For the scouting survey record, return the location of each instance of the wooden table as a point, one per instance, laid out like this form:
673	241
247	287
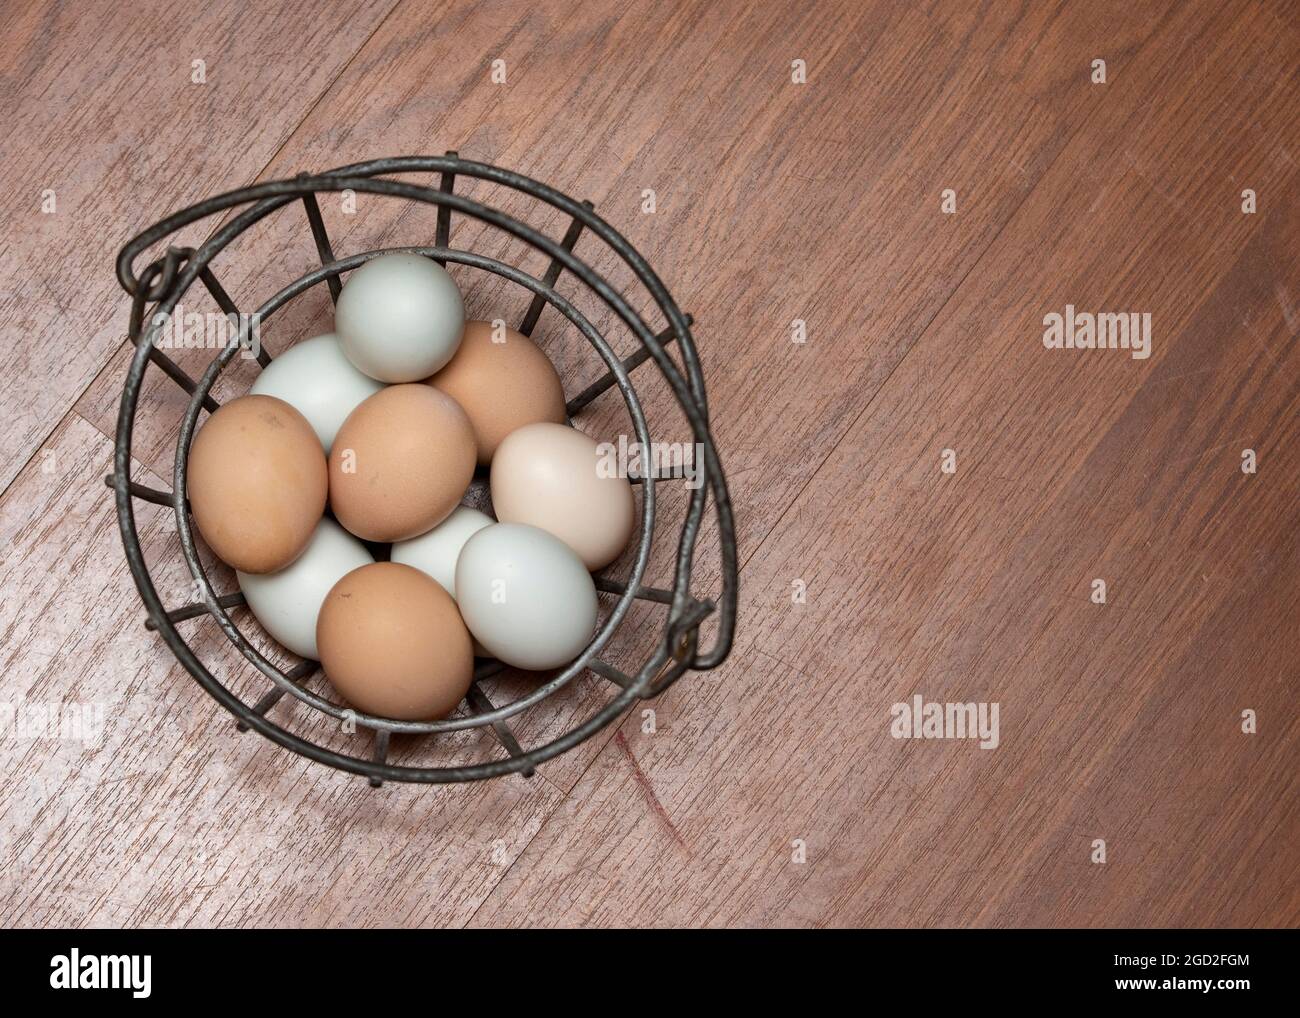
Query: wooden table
943	489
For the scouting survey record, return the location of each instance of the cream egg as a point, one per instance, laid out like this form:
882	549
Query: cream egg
317	380
525	596
399	317
288	602
554	477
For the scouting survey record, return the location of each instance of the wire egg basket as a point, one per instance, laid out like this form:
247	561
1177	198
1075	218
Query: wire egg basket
158	288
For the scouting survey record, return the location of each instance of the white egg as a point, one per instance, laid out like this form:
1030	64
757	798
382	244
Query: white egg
288	602
317	380
436	552
525	595
399	317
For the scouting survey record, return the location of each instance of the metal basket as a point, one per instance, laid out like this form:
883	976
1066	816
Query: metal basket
165	281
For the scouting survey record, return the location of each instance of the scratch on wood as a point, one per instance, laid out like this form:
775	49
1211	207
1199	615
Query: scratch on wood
1284	302
644	783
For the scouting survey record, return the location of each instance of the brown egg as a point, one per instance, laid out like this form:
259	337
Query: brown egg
556	478
501	385
400	463
257	483
393	644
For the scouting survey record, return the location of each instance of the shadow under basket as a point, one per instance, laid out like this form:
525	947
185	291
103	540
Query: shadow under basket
159	287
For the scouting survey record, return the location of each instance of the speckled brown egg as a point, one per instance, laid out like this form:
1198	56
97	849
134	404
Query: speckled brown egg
400	463
392	642
257	483
503	381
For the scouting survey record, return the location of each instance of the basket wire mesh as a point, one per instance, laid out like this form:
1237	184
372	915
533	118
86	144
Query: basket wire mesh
164	281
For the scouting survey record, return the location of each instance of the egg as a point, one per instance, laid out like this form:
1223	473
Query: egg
257	482
436	552
317	380
503	381
288	602
554	477
400	463
525	596
399	317
393	644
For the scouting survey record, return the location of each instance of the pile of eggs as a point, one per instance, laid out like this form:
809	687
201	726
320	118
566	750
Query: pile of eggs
383	423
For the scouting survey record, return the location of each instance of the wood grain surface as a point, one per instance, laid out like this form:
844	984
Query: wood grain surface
770	791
